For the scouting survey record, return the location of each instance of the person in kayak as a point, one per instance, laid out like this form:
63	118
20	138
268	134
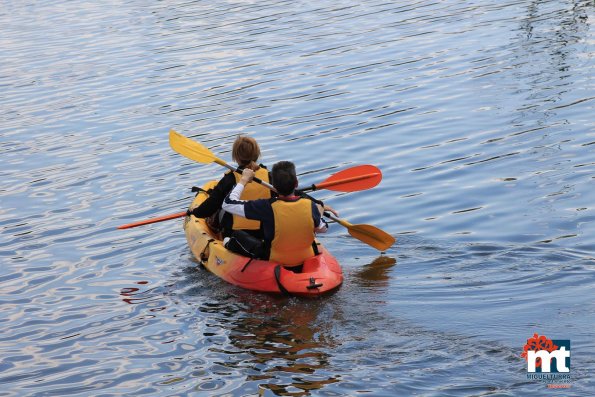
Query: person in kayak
245	152
289	222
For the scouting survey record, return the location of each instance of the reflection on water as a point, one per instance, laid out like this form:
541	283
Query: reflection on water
240	340
377	273
479	116
279	348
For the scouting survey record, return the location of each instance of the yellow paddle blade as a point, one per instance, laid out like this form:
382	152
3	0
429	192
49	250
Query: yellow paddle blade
191	149
197	152
372	236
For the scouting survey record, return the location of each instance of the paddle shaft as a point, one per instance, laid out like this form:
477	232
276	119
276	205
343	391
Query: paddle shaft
239	171
313	187
341	222
356	178
321	185
153	220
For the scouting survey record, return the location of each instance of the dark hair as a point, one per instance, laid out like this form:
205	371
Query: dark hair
284	178
245	150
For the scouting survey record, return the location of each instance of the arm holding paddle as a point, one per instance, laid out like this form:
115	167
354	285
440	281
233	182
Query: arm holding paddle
245	152
248	177
289	223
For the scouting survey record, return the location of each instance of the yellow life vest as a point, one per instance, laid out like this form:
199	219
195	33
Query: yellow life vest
294	232
252	191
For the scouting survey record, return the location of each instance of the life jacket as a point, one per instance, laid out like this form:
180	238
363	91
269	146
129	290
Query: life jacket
252	191
294	232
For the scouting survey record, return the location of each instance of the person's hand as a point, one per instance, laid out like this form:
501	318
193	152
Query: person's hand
322	209
331	209
247	176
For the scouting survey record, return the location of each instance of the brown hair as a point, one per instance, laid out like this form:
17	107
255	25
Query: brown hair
245	150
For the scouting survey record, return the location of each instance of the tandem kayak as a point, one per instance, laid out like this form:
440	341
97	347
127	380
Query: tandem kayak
318	275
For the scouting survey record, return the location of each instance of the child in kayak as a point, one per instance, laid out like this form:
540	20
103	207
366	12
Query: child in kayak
245	152
289	222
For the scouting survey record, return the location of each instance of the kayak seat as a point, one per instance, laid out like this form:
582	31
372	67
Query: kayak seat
296	269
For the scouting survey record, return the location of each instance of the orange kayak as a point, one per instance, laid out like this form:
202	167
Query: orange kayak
318	275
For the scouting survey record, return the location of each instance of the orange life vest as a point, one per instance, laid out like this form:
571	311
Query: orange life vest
252	191
294	232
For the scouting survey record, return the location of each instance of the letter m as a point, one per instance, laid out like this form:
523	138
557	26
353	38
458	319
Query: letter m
546	359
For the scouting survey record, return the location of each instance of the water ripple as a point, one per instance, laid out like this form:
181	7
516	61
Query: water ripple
478	114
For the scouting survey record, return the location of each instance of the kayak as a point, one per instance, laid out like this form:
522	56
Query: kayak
318	275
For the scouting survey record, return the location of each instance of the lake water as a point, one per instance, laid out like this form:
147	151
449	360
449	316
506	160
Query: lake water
479	114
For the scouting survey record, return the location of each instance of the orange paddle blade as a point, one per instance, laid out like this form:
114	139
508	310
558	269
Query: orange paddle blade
361	177
153	220
368	234
372	236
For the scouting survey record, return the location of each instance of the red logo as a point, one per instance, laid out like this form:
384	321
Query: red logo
537	343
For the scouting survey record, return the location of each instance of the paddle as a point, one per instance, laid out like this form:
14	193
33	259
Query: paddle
368	234
356	178
360	177
153	220
197	152
353	179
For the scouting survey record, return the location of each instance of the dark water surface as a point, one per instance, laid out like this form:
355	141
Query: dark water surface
479	113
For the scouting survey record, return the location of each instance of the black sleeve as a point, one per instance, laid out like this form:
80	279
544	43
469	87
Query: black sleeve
213	203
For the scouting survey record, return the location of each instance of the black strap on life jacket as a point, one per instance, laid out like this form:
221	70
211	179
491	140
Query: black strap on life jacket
315	248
